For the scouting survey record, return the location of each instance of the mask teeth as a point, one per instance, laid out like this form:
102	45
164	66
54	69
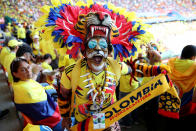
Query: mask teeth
104	29
106	32
92	31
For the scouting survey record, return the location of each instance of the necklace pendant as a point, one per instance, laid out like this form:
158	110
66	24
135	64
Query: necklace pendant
94	107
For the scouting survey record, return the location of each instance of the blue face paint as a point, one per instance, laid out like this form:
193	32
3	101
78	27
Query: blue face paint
103	44
92	44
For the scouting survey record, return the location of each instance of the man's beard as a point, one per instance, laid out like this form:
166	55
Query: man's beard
97	60
99	67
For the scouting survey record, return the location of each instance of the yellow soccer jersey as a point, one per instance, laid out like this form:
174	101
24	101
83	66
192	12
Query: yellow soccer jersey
81	97
4	52
21	34
36	49
7	62
46	66
28	92
47	48
125	84
64	60
8	34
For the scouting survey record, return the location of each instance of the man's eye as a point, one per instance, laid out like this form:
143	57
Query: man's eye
103	44
92	44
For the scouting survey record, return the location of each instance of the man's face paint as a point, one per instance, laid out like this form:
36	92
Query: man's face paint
96	53
102	43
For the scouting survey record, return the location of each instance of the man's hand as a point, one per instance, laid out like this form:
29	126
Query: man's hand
66	123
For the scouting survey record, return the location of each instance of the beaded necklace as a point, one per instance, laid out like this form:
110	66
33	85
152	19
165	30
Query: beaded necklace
96	92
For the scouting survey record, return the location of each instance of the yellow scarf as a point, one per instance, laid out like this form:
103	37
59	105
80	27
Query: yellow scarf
138	97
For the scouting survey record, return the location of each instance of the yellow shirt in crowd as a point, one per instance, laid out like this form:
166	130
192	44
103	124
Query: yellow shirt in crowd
21	33
125	84
36	49
4	52
7	62
47	48
64	60
46	66
28	92
8	34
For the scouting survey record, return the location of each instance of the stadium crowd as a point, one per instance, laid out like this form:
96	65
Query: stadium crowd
23	51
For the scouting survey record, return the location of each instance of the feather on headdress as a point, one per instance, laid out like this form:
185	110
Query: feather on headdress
63	22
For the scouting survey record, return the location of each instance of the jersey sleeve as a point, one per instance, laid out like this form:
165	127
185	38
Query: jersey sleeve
124	68
64	95
144	70
65	81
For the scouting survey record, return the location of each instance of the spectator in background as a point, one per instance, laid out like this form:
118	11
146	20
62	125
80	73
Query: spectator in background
13	46
28	35
9	27
15	29
21	33
5	49
26	52
151	107
125	88
31	98
2	37
47	61
183	76
7	32
35	45
154	58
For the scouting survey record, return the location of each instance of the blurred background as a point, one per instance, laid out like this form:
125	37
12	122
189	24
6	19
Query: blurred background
172	21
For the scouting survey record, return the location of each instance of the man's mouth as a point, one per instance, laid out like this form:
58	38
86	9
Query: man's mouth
98	59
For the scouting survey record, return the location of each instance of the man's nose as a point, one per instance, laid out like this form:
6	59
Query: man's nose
97	47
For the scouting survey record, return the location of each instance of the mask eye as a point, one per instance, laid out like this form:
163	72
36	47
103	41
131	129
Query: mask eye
103	44
92	44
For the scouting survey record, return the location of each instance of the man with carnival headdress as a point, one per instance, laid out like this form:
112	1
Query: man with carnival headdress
88	86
